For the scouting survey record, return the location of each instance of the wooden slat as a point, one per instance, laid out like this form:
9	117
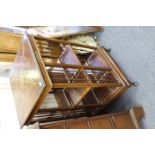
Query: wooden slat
9	42
48	84
82	85
77	66
5	57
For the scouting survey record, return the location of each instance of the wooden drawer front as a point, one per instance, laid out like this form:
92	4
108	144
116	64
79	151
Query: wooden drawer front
102	123
58	127
123	121
78	125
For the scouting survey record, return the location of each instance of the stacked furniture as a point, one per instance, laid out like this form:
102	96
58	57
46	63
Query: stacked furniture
75	85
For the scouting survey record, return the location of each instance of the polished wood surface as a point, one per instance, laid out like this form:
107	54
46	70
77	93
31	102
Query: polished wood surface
26	81
9	44
44	73
7	57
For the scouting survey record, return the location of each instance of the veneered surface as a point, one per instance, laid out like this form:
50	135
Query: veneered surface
77	125
26	81
102	123
68	57
123	122
9	42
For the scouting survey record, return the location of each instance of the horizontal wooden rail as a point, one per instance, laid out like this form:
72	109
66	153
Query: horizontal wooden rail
82	85
76	66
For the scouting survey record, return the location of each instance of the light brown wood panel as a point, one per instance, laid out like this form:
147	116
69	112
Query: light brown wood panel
5	57
77	125
102	123
9	42
26	81
59	127
139	112
123	121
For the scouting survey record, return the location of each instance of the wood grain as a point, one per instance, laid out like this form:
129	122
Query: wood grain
26	81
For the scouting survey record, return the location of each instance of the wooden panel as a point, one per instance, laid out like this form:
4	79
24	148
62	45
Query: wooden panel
90	98
58	77
9	42
77	125
5	57
123	121
49	102
102	123
26	81
61	98
102	93
48	50
68	57
58	127
139	112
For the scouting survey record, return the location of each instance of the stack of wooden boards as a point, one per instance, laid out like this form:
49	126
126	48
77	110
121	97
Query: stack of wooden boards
52	82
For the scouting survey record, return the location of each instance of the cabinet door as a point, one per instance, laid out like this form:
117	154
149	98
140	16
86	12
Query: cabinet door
123	121
29	85
77	125
102	123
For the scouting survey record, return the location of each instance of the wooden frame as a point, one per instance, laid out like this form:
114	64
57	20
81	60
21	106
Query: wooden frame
41	49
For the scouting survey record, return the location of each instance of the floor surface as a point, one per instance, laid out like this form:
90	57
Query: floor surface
134	50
